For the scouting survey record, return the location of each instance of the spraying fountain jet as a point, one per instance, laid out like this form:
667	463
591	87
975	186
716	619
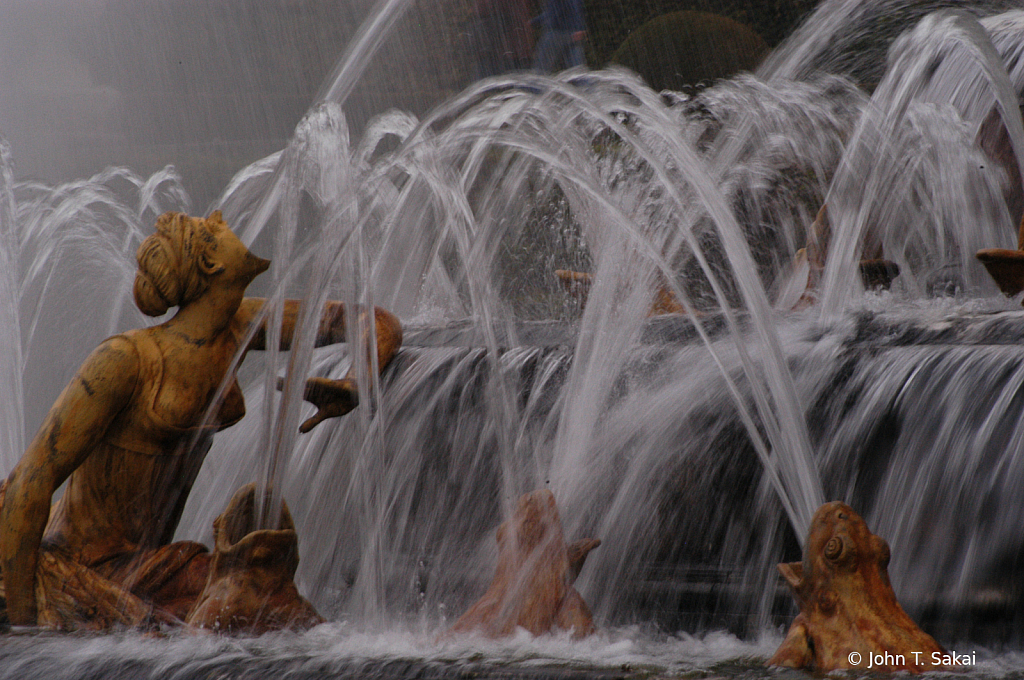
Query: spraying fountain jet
533	584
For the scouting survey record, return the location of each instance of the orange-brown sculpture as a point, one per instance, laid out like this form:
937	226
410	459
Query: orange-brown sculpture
994	139
533	583
578	285
1006	267
875	271
849	616
130	432
250	586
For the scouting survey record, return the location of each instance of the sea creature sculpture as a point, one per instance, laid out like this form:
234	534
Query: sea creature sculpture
578	285
800	289
1005	266
849	616
875	271
250	587
533	583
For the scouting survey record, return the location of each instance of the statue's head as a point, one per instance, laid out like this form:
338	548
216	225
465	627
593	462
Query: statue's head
534	523
179	261
840	549
839	541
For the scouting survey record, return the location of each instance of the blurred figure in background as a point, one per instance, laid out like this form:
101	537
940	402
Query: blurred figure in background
563	30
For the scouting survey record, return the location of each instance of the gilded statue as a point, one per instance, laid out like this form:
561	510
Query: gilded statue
130	431
250	587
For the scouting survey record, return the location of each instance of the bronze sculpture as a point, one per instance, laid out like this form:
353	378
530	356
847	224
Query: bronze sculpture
876	273
128	434
578	285
250	586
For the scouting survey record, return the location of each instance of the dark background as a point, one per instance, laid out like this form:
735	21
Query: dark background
212	85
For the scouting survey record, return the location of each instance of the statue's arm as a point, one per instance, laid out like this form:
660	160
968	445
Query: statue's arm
75	423
331	329
333	398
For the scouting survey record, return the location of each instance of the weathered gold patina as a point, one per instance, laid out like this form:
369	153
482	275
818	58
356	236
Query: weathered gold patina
533	583
849	616
130	432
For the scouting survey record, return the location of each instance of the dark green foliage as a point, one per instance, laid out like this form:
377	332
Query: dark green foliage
610	22
683	49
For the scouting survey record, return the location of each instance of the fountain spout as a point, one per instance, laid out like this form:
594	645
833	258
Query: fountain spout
250	587
533	584
1005	266
849	615
875	271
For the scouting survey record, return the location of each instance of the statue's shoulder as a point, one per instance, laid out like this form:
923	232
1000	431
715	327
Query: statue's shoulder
133	342
125	351
117	362
248	310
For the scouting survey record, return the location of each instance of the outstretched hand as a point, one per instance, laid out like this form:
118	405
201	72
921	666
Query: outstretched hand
332	398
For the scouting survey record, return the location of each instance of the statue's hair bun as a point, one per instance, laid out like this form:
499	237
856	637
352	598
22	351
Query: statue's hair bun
169	274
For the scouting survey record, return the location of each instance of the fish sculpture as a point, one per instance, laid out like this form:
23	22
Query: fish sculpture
849	616
533	583
250	587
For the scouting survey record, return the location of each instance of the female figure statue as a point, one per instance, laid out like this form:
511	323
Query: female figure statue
128	435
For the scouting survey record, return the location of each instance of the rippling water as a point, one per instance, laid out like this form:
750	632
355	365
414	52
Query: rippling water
340	650
336	650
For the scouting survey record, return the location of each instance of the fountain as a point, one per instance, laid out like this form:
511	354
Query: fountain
695	446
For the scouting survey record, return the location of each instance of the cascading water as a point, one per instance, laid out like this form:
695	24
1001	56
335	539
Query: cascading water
696	447
922	224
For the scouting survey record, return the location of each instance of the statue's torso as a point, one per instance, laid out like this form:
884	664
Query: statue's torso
130	491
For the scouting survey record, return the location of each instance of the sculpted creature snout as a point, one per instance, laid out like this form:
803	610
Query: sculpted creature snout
846	600
533	581
838	543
